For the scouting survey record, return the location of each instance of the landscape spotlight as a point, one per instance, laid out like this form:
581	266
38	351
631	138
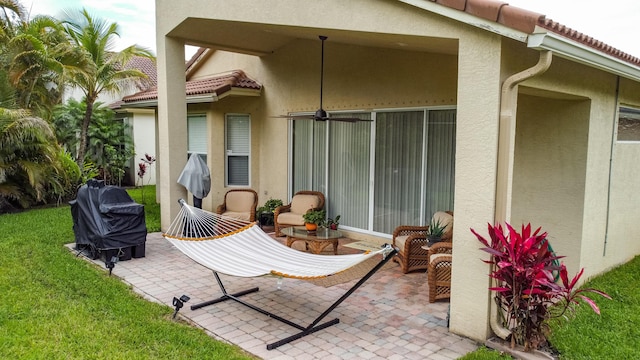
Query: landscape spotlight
179	303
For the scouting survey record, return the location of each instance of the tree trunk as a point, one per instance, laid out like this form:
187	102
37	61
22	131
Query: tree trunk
84	130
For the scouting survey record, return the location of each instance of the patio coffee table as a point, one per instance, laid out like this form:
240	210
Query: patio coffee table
315	241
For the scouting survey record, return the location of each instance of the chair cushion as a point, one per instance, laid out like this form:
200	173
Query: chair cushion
238	215
240	201
301	203
438	256
290	218
445	220
400	240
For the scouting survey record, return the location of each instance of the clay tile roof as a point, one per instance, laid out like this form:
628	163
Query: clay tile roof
218	84
526	21
146	66
587	40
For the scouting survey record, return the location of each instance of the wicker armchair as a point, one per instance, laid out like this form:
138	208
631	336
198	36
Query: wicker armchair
240	204
410	239
439	271
291	214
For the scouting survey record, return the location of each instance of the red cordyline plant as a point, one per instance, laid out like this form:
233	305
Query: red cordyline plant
527	290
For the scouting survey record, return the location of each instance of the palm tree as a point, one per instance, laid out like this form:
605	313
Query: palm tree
105	71
11	11
41	58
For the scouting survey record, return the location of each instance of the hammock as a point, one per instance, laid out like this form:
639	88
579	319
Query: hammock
239	248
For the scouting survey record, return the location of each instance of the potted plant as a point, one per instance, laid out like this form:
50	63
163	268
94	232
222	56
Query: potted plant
435	231
265	212
524	268
312	218
332	223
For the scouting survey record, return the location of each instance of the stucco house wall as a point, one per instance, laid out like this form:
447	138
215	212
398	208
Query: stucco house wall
143	129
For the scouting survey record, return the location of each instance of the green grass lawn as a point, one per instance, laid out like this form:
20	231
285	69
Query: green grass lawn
54	306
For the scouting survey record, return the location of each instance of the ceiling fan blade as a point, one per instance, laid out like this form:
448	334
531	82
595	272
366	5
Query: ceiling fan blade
295	117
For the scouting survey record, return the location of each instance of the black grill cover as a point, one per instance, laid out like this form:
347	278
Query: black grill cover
105	217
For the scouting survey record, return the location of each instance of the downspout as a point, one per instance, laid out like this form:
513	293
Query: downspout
506	147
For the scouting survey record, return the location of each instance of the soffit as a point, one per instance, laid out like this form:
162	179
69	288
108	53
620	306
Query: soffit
262	39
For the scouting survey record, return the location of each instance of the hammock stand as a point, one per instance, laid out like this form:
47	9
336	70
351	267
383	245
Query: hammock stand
185	224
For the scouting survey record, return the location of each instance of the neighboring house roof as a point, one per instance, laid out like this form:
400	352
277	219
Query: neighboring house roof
146	66
215	86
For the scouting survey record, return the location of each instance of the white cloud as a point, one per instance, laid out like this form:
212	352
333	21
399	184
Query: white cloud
136	18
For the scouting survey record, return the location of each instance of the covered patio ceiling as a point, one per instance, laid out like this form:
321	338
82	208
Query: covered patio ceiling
262	39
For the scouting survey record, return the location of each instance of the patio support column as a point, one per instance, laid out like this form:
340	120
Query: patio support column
479	79
172	126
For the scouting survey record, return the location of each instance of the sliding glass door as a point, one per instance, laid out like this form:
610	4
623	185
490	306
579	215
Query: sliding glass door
397	169
398	192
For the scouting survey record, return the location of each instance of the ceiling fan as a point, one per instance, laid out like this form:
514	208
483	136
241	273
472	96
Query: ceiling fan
320	114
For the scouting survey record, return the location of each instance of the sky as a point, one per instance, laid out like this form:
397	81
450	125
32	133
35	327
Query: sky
136	18
612	21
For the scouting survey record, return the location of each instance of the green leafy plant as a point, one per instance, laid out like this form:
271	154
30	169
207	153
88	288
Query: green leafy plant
436	230
314	216
269	206
527	293
265	212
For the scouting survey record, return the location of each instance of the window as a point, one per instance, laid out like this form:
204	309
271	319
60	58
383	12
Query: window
238	149
197	135
629	124
397	169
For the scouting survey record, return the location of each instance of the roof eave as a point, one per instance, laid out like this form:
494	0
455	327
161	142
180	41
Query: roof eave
197	99
469	19
580	53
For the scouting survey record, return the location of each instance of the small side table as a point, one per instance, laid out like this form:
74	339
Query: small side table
314	241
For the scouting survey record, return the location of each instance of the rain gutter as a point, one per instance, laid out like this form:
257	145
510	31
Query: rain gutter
506	146
580	53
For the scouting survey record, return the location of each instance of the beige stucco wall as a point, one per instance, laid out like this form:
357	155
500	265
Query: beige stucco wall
549	171
620	240
476	150
143	122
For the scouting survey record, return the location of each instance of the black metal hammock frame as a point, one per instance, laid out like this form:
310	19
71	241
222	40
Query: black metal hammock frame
304	330
242	249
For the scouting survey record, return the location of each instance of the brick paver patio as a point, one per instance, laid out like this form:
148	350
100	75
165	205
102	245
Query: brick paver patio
389	317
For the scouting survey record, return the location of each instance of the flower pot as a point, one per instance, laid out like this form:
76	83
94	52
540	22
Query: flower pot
433	239
311	227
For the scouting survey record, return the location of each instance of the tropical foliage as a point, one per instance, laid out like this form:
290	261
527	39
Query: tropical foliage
105	70
524	266
33	168
41	58
110	142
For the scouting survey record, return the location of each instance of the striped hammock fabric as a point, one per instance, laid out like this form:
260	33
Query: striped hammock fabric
233	247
